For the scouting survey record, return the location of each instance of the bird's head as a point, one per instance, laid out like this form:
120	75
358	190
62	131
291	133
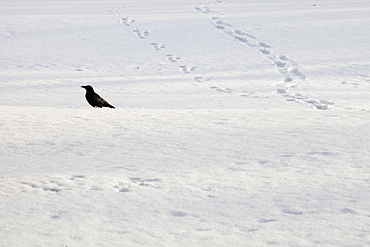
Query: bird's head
88	88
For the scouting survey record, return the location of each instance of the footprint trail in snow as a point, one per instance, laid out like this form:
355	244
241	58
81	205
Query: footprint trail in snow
144	34
284	65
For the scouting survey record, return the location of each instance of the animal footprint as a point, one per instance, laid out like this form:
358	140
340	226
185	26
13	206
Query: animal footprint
265	52
178	214
186	69
320	105
288	79
157	47
241	39
262	220
140	34
241	33
221	23
146	181
172	58
201	79
127	21
292	212
238	35
263	44
122	187
204	9
297	73
285	58
223	90
280	64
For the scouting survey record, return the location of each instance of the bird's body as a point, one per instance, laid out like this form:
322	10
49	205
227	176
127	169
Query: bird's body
94	99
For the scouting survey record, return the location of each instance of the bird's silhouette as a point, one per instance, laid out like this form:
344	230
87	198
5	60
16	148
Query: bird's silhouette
94	99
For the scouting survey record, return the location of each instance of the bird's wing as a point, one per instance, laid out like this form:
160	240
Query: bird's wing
102	102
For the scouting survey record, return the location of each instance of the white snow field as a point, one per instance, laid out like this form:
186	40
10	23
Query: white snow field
237	123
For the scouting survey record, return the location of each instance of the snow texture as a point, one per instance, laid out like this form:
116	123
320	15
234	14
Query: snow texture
238	123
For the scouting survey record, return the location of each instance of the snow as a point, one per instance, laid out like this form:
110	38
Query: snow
238	123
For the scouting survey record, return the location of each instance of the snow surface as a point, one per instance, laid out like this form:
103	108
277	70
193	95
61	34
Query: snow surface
238	123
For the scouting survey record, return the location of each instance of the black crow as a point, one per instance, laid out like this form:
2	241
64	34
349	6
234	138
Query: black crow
94	99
